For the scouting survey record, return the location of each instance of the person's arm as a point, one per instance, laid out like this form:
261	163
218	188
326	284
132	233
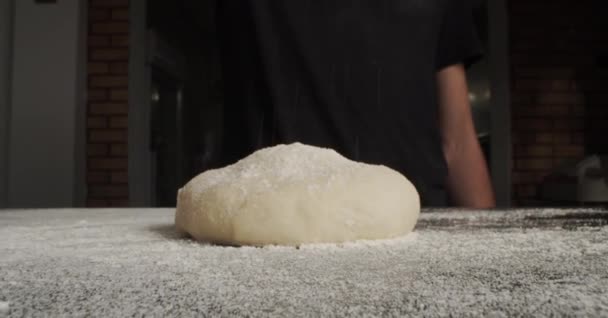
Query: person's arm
468	179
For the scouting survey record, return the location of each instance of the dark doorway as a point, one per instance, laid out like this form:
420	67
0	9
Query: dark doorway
165	103
184	77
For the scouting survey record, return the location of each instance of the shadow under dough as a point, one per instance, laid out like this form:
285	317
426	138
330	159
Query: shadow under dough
170	232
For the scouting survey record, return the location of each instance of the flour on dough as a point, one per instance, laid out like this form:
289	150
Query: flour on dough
297	194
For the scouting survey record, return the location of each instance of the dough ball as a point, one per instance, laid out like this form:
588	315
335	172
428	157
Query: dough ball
297	194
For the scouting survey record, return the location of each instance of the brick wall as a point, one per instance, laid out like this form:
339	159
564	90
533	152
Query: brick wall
108	52
560	94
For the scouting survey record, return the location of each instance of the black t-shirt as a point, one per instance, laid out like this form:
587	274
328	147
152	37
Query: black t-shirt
358	76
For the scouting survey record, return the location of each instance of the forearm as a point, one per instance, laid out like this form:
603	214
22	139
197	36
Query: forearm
468	179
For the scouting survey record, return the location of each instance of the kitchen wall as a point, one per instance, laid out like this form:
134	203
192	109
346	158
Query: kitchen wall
46	102
558	105
6	24
559	87
120	32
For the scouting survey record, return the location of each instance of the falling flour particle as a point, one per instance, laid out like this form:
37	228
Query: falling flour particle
297	194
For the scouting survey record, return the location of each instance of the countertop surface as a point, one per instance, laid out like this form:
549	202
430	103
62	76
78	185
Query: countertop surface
131	262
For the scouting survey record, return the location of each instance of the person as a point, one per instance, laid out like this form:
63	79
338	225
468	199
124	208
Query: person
379	81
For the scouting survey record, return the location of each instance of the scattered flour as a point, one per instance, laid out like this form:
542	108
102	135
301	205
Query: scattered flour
282	164
462	263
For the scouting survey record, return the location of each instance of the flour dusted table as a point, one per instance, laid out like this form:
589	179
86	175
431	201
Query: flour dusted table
131	262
